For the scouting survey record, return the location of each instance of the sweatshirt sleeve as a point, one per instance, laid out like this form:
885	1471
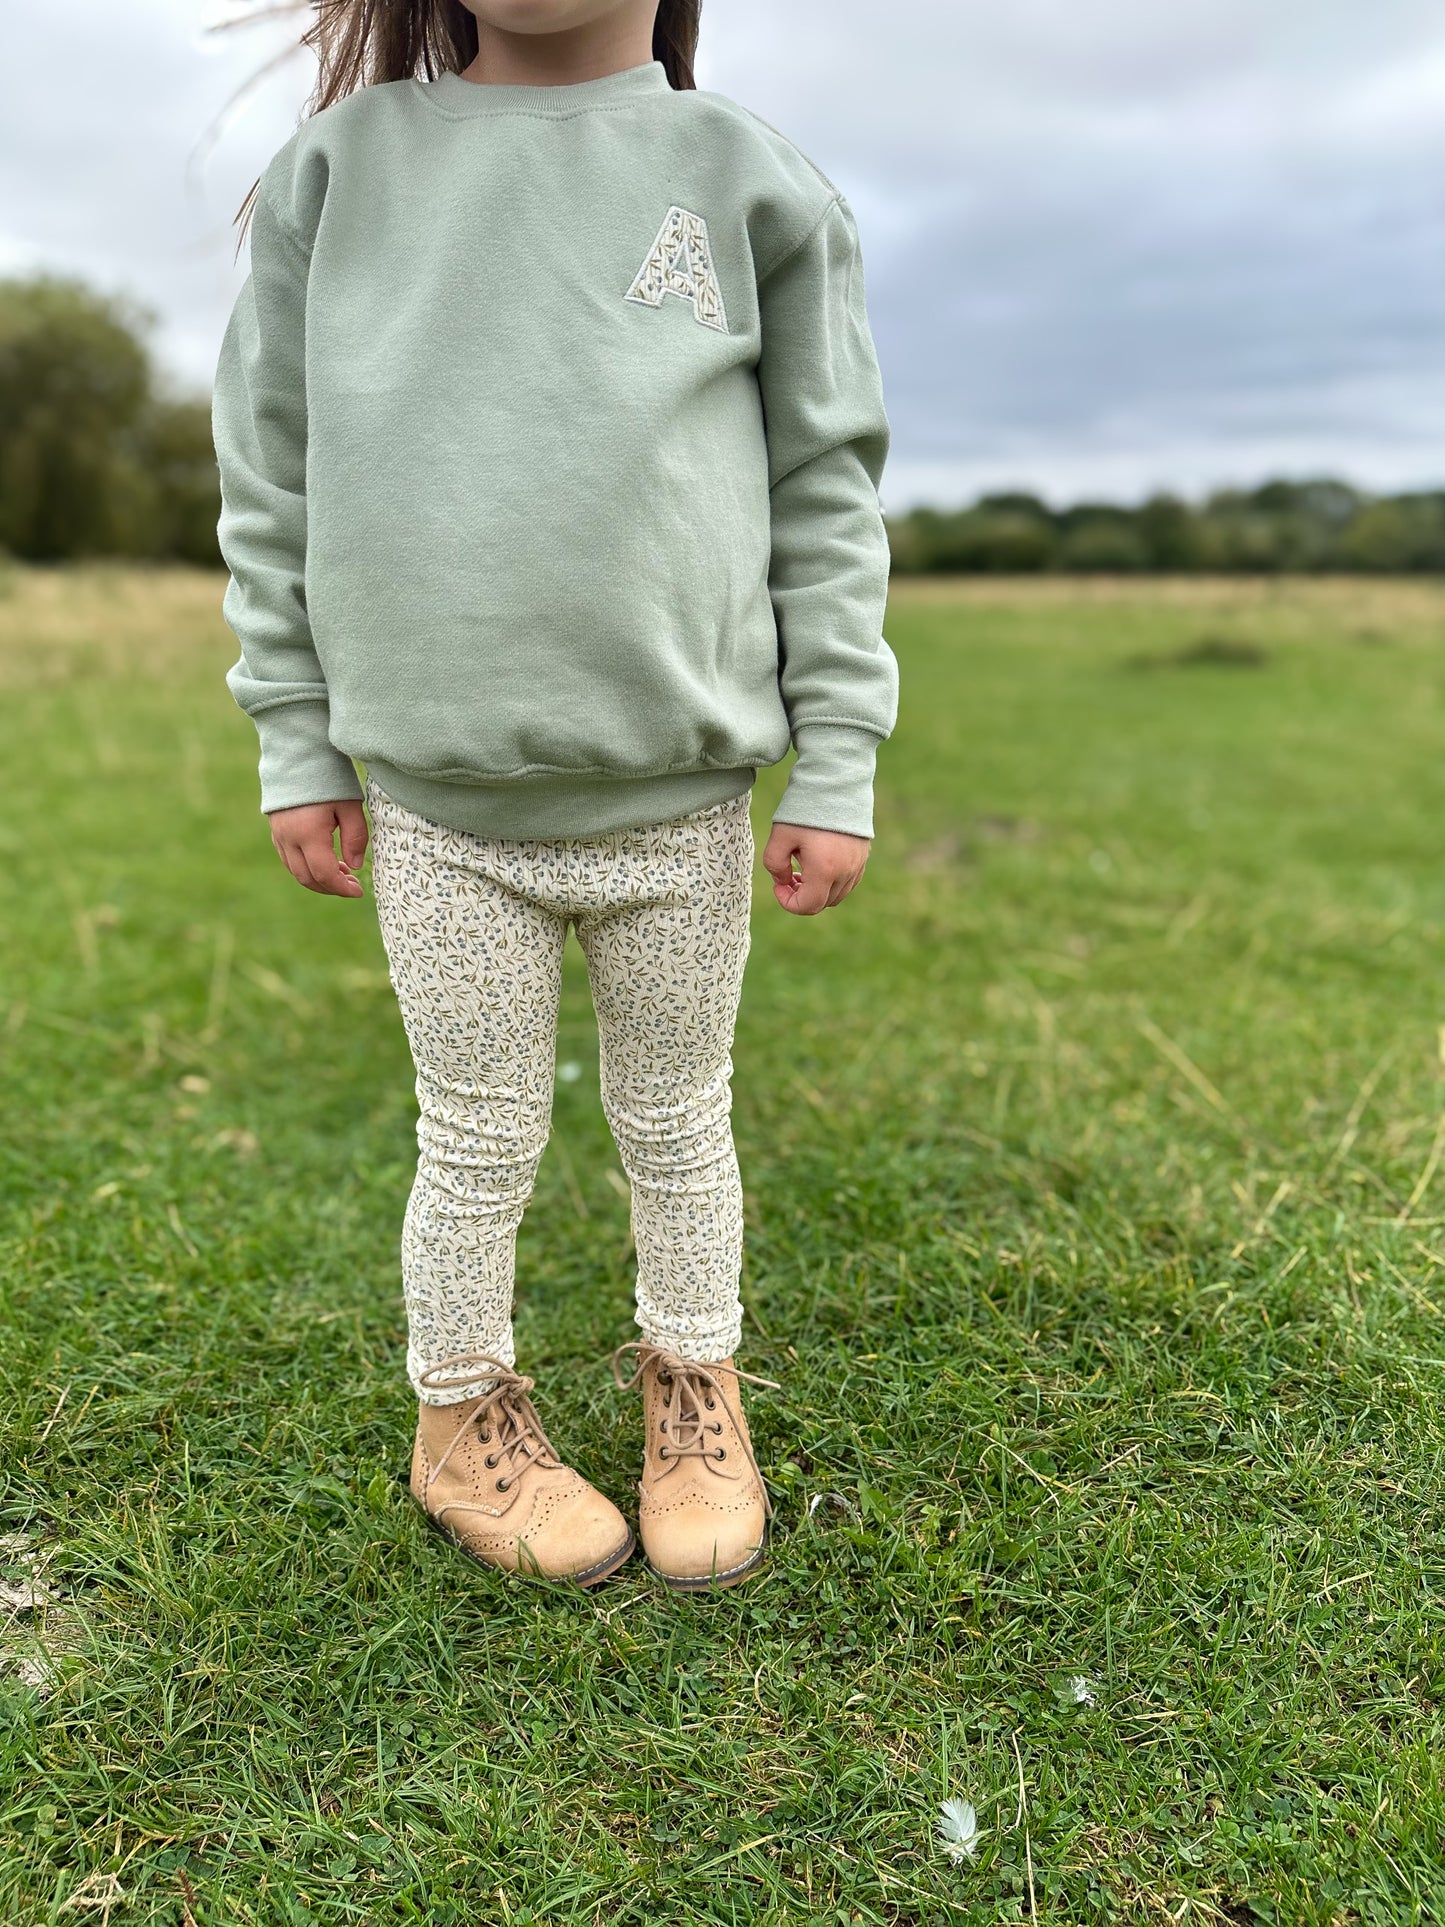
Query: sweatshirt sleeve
827	439
258	419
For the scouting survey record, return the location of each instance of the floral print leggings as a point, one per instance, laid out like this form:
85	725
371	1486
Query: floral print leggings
474	929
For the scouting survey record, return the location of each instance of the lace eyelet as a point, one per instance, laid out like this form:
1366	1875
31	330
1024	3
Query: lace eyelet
485	1437
490	1462
716	1428
711	1404
720	1453
501	1485
662	1453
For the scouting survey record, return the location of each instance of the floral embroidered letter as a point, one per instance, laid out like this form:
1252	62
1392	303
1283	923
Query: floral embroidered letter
680	262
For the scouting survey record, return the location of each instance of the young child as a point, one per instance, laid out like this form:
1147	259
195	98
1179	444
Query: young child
550	431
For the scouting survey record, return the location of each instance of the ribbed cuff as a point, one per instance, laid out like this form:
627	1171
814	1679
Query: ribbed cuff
830	787
299	762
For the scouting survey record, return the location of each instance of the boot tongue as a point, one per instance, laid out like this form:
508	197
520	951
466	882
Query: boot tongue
686	1413
520	1437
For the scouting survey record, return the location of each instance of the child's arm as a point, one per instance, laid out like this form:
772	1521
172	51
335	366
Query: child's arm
827	439
309	789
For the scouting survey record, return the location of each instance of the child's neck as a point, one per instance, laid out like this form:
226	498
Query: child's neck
589	52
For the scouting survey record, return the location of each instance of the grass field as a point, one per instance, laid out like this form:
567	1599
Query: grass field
1093	1154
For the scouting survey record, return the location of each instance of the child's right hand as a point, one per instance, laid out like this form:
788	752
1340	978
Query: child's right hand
305	842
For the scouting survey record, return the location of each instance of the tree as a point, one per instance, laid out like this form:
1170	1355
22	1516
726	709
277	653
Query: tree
179	456
1406	533
92	460
1017	502
974	541
1103	543
1169	531
999	542
1282	526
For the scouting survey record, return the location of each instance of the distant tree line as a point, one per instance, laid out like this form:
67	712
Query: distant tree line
1283	527
98	458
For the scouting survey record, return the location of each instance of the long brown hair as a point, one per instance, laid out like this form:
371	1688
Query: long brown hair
358	43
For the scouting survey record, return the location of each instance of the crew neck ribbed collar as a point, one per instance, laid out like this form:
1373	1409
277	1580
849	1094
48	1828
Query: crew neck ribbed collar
458	96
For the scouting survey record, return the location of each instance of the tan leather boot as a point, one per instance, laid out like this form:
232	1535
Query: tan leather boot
704	1508
488	1478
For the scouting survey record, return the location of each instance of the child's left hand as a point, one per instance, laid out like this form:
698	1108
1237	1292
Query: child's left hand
829	864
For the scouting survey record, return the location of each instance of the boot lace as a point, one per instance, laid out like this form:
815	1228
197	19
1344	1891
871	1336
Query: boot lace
504	1418
694	1392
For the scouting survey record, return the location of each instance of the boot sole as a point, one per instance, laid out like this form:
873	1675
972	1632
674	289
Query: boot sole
719	1582
588	1577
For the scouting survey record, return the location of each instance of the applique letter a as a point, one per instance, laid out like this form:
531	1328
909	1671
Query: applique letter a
680	262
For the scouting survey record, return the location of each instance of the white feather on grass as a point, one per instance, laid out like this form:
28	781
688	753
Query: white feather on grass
958	1829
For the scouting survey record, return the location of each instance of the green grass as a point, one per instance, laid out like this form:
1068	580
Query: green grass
1096	1229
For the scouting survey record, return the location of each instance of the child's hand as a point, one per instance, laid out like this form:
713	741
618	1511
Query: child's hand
829	864
304	840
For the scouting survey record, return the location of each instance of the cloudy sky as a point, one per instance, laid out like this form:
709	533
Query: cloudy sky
1109	244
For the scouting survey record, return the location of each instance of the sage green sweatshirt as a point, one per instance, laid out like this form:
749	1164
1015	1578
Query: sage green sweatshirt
550	429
